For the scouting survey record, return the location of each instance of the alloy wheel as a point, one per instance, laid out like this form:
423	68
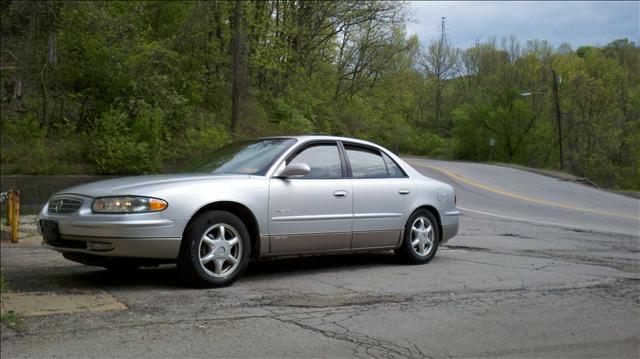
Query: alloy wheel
422	236
220	250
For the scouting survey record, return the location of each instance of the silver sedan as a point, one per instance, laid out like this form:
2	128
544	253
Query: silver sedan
268	197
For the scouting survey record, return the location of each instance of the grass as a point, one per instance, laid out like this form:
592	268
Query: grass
10	319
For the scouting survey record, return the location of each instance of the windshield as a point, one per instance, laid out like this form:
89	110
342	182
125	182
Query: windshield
245	157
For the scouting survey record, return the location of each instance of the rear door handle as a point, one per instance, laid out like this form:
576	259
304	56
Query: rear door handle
340	194
404	191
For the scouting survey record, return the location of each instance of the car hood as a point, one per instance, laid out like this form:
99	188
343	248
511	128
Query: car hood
138	184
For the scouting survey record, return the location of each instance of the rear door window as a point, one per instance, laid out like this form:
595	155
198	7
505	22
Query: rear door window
366	163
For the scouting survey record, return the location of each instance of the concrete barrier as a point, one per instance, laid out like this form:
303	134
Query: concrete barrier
36	190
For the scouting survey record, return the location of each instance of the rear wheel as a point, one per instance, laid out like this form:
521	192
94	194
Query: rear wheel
421	238
215	249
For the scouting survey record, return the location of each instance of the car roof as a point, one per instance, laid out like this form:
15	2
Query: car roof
304	138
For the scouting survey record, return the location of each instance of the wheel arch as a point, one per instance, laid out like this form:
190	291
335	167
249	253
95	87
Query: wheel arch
241	211
435	213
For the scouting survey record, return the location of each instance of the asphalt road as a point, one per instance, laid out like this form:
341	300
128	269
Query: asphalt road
504	192
540	268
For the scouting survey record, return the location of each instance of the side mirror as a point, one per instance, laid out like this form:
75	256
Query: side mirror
295	169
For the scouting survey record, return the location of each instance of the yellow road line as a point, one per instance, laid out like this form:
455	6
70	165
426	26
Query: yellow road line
525	198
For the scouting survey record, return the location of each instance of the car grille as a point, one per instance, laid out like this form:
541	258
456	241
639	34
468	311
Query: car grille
64	206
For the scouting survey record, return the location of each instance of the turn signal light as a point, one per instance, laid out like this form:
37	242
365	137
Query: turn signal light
157	204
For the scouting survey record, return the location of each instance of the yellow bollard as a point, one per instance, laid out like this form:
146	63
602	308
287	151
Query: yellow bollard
15	217
9	206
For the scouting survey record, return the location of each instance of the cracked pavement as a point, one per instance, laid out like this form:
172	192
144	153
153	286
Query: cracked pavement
501	288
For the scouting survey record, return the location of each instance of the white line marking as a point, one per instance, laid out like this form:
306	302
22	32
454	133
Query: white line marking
527	220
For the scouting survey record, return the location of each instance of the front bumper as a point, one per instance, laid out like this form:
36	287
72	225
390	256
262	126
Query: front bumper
140	235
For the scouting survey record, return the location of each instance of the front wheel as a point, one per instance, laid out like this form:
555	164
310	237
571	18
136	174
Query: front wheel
421	238
215	249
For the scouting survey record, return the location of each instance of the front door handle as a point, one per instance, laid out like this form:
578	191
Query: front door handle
340	194
404	191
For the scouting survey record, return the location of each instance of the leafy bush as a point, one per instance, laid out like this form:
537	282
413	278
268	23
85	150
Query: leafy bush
291	121
429	144
201	135
124	145
29	149
23	144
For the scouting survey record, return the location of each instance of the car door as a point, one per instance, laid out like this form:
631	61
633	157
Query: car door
382	197
314	212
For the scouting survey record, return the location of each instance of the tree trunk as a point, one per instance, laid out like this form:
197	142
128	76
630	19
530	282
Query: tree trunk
237	68
438	105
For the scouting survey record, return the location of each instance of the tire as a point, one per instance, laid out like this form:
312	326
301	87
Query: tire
215	250
421	238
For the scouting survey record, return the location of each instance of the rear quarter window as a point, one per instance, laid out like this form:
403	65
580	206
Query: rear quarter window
394	170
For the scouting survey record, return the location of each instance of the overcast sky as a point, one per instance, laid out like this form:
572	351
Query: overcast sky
578	23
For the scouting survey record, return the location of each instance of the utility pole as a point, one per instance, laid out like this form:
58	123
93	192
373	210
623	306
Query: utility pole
558	115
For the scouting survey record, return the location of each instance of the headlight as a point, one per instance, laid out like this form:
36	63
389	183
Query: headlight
128	204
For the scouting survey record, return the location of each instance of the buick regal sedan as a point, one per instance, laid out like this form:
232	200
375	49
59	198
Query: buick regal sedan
280	196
